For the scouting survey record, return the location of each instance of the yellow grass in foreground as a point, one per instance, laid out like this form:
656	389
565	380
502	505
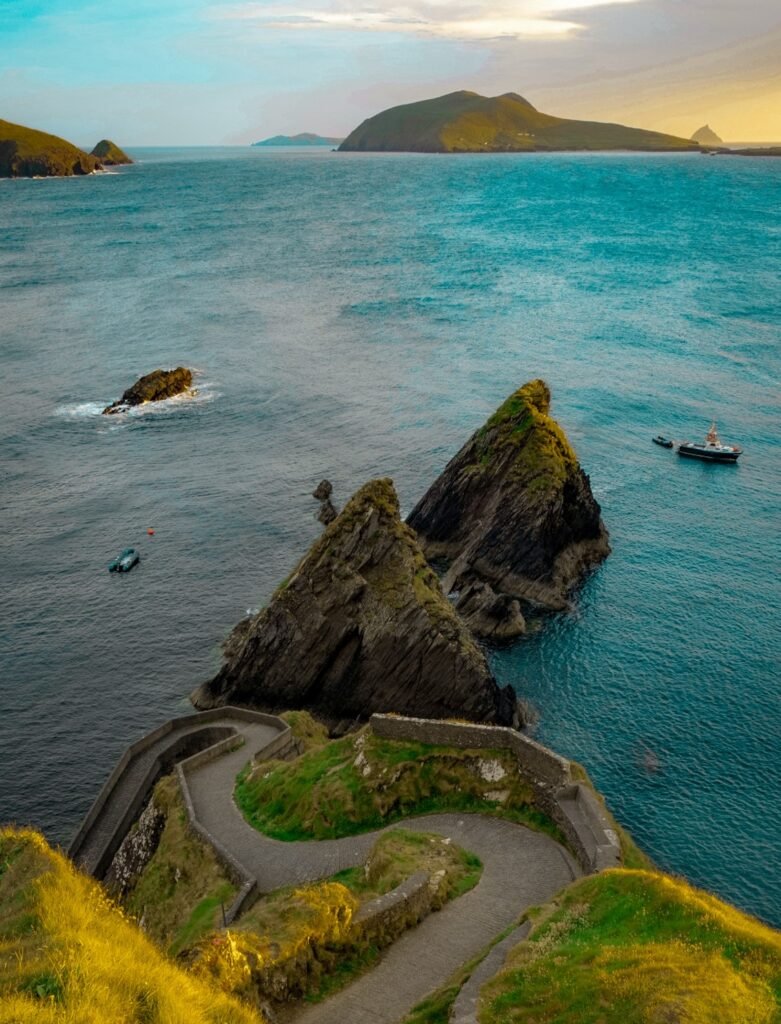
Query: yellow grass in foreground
68	955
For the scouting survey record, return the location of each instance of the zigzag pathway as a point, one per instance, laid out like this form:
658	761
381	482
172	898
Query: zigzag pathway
521	868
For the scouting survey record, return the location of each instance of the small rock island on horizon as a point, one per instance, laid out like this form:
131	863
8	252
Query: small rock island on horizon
110	154
706	136
302	139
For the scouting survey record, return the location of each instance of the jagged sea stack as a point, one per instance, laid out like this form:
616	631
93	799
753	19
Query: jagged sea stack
513	515
361	626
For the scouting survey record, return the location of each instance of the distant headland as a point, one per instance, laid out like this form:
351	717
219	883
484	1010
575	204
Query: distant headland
302	139
465	122
28	153
707	137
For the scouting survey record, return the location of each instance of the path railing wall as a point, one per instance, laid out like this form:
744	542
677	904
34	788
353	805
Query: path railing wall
572	805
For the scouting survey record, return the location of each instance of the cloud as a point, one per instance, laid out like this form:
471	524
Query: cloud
452	19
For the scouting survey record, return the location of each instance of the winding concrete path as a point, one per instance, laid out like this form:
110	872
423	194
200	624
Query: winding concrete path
521	868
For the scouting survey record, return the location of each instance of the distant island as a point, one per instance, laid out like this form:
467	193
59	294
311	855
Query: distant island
464	122
28	153
303	139
707	137
110	154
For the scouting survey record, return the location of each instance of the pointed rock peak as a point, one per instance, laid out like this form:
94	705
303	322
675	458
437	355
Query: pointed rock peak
362	625
512	511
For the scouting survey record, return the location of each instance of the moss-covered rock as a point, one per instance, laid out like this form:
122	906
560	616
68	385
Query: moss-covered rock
154	387
361	626
27	153
110	154
514	512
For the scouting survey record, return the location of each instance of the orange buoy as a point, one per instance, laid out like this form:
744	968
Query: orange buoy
151	532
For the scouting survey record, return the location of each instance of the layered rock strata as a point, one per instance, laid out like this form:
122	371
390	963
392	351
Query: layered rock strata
154	387
513	517
361	626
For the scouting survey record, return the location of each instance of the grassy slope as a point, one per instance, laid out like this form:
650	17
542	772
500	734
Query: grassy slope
362	782
179	893
36	153
67	955
638	946
467	122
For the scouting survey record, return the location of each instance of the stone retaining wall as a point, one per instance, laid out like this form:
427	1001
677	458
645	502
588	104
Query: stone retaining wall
573	806
381	921
541	764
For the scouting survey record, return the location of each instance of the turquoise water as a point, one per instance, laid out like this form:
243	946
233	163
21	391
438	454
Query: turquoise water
357	315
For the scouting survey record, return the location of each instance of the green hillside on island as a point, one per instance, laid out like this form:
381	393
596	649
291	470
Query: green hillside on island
464	122
27	153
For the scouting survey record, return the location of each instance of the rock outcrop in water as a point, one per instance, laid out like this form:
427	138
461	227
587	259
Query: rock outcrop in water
154	387
327	511
513	515
110	154
361	626
28	153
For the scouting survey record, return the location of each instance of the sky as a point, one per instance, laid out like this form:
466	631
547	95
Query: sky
211	72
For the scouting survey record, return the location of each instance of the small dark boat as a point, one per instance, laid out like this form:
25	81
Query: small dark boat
665	442
711	449
125	561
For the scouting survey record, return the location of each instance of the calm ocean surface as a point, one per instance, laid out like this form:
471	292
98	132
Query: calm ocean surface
354	316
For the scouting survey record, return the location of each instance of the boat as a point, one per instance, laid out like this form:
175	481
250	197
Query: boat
711	449
124	561
665	442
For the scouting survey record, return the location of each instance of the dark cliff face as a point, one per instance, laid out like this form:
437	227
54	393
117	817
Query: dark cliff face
154	387
514	512
361	626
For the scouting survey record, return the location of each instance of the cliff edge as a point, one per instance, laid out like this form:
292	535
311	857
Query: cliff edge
514	516
361	626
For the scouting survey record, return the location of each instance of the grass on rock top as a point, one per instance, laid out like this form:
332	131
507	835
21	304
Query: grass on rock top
362	782
638	947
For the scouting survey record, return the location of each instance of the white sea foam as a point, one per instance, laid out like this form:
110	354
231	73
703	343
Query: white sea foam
201	393
80	410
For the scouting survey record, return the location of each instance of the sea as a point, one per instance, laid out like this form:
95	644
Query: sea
357	315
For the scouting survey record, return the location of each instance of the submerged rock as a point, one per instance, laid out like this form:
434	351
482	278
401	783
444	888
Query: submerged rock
110	154
512	511
361	626
154	387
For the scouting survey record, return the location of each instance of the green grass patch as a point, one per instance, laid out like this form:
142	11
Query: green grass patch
637	946
362	782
